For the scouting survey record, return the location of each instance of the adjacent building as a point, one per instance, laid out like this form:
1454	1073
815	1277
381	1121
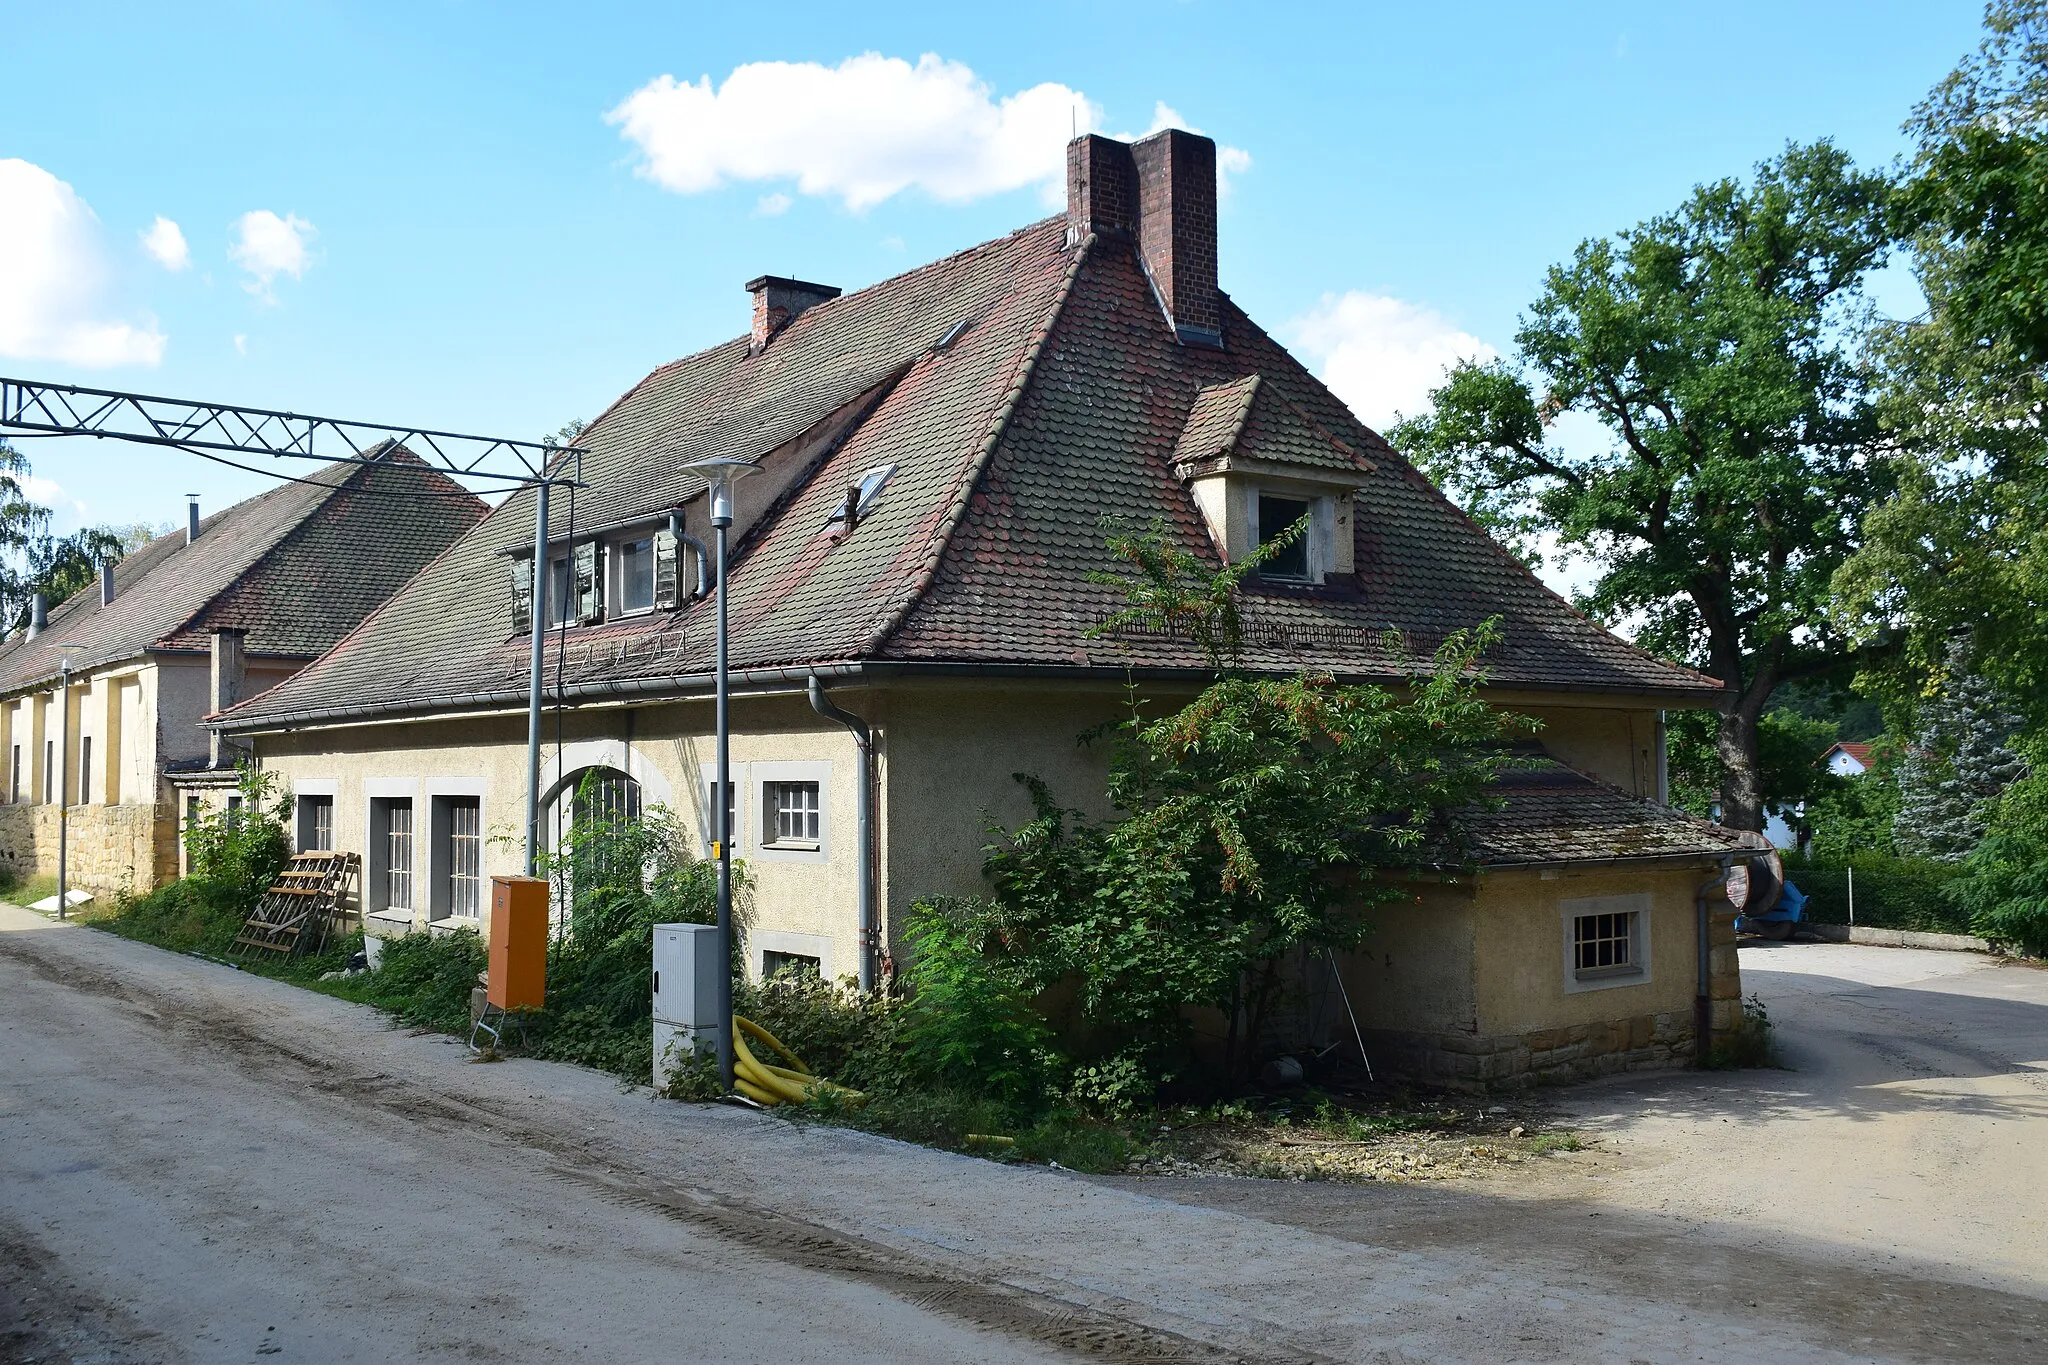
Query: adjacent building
939	459
189	624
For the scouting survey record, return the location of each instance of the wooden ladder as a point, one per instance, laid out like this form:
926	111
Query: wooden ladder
303	908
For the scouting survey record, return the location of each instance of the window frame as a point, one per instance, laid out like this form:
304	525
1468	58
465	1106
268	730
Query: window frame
759	778
1636	971
808	814
615	606
870	481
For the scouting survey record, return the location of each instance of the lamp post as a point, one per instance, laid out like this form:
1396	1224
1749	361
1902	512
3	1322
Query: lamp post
64	653
719	475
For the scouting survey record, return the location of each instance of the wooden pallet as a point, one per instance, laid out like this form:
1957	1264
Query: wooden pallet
304	908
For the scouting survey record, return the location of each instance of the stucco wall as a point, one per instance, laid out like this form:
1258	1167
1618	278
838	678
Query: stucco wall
1471	984
1616	744
800	903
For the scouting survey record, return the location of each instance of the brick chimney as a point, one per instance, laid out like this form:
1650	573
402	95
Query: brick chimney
1161	191
777	301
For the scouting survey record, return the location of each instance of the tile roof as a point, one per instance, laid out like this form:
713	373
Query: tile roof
1551	813
1061	405
296	568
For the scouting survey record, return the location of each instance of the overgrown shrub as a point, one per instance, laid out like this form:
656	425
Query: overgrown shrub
235	855
425	979
1891	893
2006	891
1749	1044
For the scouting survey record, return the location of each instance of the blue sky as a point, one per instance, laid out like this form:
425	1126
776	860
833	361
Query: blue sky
495	218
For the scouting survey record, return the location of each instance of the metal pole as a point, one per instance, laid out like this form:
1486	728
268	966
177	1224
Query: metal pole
539	655
63	785
1852	897
722	801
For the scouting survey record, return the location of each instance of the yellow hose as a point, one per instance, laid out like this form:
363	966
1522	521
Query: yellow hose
771	1085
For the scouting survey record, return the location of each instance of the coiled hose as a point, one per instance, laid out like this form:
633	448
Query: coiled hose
765	1083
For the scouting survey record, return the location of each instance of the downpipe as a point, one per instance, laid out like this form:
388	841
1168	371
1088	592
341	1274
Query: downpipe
863	822
1703	998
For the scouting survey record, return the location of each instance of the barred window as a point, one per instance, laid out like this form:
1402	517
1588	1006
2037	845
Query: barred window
790	813
398	854
465	856
316	824
1604	943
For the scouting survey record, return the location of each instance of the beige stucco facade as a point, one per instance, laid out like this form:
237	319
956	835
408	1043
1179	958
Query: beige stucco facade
1476	970
116	746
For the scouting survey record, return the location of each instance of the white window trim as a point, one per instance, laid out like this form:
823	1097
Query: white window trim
614	571
377	789
759	775
430	855
1607	978
761	942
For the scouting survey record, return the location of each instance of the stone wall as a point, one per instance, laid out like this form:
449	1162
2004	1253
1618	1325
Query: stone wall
112	848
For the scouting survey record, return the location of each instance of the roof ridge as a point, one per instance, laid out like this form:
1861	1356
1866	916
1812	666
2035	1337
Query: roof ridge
949	520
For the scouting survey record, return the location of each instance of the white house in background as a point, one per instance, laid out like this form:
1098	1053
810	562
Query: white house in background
1848	760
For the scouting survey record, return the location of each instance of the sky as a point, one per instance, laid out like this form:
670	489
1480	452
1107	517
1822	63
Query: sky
496	218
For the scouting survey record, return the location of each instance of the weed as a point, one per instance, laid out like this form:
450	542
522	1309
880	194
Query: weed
1749	1043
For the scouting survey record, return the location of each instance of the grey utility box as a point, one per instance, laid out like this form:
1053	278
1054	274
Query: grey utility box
686	970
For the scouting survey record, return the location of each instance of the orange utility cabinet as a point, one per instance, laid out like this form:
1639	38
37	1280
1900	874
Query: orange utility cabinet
519	943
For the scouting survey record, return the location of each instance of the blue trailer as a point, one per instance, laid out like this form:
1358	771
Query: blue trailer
1778	921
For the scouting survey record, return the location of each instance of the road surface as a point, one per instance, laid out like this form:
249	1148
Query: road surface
201	1165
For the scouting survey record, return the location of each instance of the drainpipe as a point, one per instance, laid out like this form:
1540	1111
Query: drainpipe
1703	999
863	822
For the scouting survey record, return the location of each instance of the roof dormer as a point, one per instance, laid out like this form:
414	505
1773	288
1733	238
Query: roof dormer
1257	464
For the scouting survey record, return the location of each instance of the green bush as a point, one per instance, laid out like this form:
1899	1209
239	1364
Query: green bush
1891	892
425	979
192	915
235	856
2006	891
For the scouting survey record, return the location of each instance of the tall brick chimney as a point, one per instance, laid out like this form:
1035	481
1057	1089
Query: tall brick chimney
1161	191
777	301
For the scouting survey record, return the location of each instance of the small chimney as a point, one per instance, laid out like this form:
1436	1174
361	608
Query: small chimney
191	517
38	615
107	584
229	669
777	301
1160	190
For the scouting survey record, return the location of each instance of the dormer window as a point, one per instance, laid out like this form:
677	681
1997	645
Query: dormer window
635	586
1256	465
601	580
1276	515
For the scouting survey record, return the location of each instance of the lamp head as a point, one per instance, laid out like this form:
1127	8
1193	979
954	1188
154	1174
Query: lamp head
67	654
719	475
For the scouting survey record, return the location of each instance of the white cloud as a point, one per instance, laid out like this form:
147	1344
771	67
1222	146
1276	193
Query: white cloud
267	246
51	494
165	242
241	343
54	278
1382	355
862	131
773	205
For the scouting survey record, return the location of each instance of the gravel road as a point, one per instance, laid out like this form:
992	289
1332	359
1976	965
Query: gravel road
201	1165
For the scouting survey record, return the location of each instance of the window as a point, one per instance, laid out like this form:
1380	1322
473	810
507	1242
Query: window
1276	515
49	771
561	592
465	856
636	574
732	811
791	964
316	824
84	769
789	812
1606	942
1603	942
859	495
14	775
392	830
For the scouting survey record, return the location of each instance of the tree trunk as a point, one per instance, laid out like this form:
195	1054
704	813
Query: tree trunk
1742	803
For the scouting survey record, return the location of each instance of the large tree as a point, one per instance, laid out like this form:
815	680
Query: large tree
1963	547
1717	347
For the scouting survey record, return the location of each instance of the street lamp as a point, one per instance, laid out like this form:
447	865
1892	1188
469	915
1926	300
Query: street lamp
719	475
64	655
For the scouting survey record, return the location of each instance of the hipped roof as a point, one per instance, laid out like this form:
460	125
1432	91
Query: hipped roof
1054	417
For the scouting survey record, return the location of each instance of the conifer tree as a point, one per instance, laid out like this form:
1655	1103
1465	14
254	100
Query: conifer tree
1960	762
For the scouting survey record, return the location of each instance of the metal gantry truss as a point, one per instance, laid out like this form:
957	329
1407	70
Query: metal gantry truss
216	429
68	410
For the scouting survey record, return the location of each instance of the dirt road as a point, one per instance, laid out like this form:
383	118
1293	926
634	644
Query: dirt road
199	1165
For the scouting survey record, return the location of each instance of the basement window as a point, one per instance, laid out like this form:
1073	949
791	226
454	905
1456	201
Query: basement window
775	964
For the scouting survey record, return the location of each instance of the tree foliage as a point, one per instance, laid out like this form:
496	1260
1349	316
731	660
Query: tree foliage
1715	346
1266	816
1961	761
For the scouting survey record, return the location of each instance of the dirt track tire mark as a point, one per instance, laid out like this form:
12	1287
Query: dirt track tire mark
994	1306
